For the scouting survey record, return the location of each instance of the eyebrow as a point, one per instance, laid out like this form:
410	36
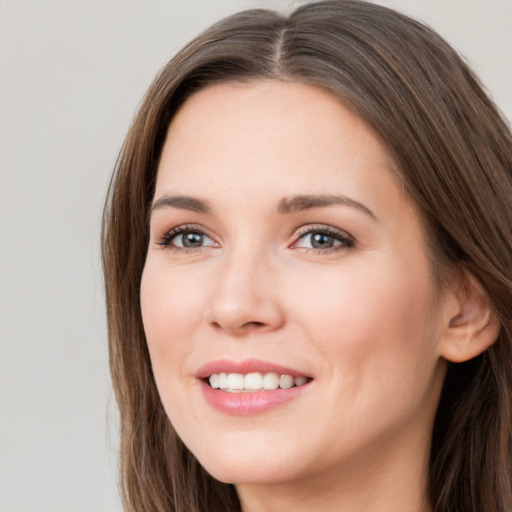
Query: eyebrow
306	202
192	204
285	205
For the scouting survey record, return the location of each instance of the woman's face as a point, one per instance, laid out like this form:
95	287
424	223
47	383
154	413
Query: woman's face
281	244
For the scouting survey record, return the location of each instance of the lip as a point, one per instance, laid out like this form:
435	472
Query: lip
244	367
248	403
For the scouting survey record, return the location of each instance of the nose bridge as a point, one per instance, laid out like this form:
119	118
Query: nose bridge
243	297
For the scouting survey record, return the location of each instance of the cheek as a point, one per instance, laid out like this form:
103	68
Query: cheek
171	308
378	334
374	320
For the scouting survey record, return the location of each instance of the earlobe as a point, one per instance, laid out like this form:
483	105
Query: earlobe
471	327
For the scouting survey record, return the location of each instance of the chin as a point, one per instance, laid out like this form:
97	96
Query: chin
252	465
254	473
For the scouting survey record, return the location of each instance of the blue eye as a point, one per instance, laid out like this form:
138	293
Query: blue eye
185	237
324	239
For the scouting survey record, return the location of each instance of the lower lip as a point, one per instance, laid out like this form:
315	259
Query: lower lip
248	403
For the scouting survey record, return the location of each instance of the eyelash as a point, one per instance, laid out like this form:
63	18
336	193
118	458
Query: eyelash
169	236
345	240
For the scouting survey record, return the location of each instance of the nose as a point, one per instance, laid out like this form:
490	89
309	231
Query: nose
245	298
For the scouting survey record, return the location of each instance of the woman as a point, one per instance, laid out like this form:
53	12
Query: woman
307	250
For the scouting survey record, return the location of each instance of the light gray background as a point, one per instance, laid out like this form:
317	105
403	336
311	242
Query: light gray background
71	76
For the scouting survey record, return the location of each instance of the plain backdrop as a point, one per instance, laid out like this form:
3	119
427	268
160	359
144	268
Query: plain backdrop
71	76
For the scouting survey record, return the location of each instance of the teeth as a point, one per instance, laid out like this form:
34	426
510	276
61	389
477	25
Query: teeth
286	382
214	381
236	382
223	381
300	380
271	381
253	381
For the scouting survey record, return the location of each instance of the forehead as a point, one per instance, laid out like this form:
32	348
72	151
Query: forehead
271	130
278	108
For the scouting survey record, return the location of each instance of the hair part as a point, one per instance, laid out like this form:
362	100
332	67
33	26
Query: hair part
452	153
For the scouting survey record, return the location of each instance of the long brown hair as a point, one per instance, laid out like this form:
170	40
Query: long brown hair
453	153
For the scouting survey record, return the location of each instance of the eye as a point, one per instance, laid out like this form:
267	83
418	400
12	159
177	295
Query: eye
190	239
324	239
186	237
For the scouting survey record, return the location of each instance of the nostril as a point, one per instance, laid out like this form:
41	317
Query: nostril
253	325
243	328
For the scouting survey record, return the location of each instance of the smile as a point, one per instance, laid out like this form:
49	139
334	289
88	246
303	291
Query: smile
243	388
253	382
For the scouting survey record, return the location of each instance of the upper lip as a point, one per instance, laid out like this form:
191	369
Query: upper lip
244	367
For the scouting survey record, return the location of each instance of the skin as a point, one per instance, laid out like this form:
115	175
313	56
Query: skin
365	320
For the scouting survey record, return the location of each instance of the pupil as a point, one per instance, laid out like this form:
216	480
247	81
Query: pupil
192	240
321	241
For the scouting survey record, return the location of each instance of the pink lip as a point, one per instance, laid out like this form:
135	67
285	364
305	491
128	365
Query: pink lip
247	403
244	367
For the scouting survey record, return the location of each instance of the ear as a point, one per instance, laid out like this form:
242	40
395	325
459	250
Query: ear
470	325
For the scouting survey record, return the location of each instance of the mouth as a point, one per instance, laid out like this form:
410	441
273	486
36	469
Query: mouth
250	387
253	382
